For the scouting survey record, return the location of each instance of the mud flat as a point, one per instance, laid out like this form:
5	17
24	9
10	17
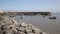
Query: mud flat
11	25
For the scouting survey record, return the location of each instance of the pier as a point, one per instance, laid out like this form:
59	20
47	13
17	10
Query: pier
27	13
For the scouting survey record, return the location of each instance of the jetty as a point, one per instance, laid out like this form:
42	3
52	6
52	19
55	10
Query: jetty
27	13
11	25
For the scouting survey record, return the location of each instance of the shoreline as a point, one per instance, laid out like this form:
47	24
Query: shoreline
24	28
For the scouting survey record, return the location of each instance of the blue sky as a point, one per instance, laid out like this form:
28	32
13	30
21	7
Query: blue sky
30	5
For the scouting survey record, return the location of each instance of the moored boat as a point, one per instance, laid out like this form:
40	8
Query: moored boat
53	17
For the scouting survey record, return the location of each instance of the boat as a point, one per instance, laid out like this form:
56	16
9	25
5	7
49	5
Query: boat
22	17
53	17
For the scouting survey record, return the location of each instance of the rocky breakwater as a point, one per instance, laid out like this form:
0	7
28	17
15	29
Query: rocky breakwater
9	25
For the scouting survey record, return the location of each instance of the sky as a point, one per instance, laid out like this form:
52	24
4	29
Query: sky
30	5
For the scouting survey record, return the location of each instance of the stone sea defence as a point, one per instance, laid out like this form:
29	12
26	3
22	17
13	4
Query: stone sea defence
11	25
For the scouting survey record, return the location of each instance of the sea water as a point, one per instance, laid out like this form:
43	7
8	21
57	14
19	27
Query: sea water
51	26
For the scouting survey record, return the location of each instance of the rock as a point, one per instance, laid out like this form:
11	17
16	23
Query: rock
24	24
22	29
1	18
10	32
31	33
20	33
30	25
28	30
11	25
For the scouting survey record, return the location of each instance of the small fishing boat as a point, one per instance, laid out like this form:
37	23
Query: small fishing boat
53	17
22	17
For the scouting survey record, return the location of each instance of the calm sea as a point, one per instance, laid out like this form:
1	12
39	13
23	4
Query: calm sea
51	26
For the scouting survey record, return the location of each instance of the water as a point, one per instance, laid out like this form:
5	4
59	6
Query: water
44	23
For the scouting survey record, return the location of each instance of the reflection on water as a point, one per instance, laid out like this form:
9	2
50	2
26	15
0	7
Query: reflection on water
44	23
